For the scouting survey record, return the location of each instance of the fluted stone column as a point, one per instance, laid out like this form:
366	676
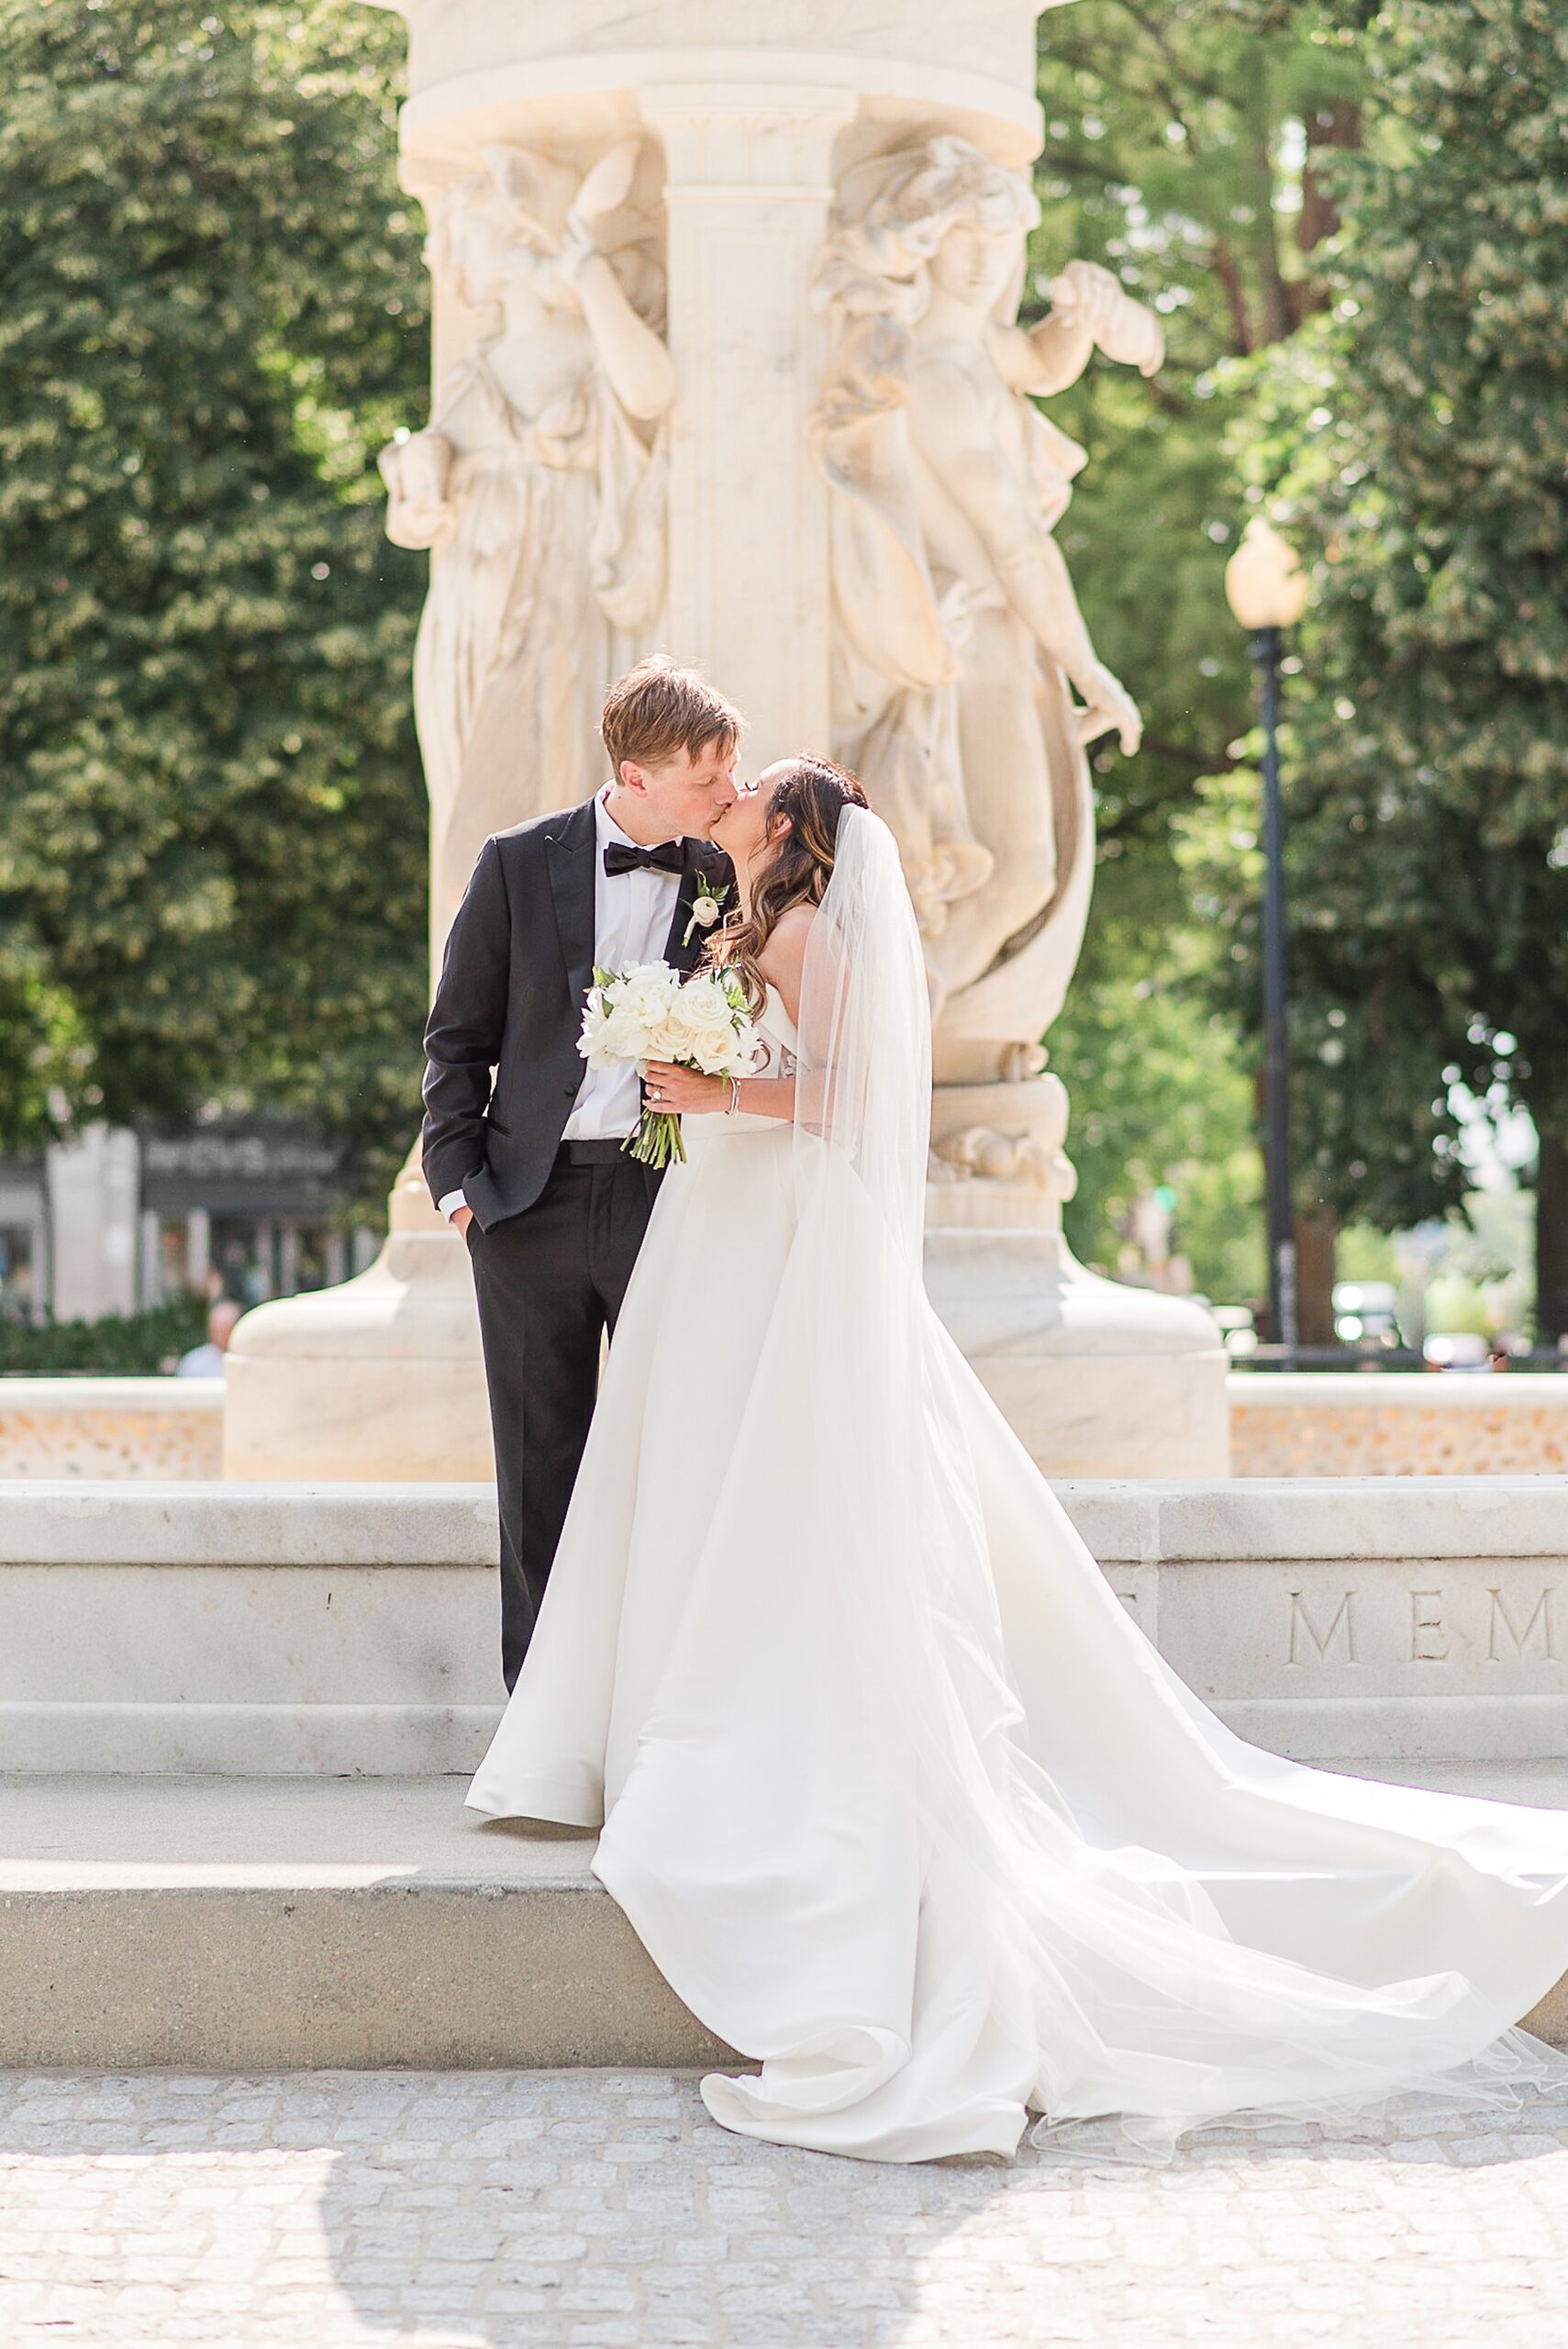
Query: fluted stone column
747	188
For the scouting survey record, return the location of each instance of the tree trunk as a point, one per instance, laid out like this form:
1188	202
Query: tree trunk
1337	125
1552	1240
1315	1236
1327	126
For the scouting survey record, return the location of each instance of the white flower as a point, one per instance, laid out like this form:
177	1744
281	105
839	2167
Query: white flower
703	998
713	1055
706	911
596	1043
647	990
626	1013
647	1013
707	1021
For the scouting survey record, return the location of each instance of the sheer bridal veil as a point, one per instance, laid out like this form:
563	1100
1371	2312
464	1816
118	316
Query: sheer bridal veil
1098	1978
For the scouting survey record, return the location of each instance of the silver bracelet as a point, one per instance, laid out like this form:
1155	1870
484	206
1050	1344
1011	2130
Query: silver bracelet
734	1101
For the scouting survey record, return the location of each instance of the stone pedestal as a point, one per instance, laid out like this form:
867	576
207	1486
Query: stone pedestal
1096	1379
698	154
381	1379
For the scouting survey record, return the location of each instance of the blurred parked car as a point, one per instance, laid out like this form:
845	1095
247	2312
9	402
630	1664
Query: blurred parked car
1457	1350
1364	1313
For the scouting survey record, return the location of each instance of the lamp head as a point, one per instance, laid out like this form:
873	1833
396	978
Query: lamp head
1264	582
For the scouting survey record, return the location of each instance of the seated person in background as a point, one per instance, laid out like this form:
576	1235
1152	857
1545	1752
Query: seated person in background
206	1361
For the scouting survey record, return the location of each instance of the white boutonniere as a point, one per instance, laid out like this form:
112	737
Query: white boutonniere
705	907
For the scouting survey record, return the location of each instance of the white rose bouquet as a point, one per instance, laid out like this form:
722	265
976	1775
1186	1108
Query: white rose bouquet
648	1012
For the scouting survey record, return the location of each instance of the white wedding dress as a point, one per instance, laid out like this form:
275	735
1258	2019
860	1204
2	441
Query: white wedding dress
896	1794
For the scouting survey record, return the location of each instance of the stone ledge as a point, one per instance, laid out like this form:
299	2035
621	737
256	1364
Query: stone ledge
1283	1424
210	1522
1393	1390
1272	1520
130	1428
64	1396
104	1521
308	1736
1398	1423
347	1627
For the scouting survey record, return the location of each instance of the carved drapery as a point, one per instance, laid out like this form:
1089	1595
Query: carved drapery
540	484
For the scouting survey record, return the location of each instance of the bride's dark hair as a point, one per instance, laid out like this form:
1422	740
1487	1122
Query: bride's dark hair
813	793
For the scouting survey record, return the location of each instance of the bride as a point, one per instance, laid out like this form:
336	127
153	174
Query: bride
896	1795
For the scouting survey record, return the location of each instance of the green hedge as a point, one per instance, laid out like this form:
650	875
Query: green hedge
121	1345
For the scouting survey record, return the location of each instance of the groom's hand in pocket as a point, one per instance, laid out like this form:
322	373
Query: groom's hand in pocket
462	1218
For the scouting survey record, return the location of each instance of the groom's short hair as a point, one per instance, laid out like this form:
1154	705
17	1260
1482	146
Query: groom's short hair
659	708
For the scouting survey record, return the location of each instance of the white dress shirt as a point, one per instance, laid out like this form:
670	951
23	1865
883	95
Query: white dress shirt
632	914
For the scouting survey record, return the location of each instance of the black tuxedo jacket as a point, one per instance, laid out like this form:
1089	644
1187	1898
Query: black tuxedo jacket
518	962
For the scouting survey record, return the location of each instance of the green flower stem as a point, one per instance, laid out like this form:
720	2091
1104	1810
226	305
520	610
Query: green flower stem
656	1139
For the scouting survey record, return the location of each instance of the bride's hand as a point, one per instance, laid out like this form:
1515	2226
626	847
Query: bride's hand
683	1090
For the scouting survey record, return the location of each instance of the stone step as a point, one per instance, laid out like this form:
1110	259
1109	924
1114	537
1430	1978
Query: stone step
262	1924
265	1924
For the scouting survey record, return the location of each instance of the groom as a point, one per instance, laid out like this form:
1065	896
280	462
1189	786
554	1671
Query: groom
530	1168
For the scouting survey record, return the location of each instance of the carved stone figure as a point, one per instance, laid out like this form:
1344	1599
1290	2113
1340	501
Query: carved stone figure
540	484
958	639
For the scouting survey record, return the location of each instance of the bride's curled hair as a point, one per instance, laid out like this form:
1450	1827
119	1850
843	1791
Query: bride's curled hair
800	842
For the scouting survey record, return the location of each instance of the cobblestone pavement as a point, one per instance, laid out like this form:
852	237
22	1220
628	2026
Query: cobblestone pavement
604	2210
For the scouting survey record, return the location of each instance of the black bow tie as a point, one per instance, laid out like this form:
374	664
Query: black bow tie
620	858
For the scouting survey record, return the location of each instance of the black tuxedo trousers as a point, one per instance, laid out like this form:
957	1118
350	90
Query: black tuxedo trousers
550	1284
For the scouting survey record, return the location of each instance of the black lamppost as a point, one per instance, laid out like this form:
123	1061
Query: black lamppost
1267	592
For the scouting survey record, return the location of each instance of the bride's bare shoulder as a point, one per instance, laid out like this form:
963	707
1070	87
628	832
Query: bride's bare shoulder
783	959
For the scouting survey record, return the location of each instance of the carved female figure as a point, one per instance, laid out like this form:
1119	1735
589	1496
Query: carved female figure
959	635
540	485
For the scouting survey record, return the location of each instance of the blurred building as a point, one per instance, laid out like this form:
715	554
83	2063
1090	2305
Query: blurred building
121	1220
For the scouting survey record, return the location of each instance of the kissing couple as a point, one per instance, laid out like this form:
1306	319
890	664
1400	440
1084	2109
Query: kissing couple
896	1794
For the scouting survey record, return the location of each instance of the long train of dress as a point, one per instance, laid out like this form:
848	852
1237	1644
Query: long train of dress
936	1869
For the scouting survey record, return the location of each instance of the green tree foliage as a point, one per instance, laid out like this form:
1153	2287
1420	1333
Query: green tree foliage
1414	443
212	835
1165	1097
129	1345
1182	151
